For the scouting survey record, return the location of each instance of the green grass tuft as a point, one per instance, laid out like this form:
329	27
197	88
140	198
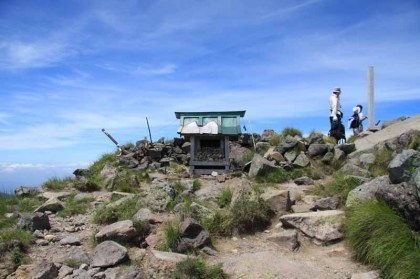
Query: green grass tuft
382	238
172	237
196	185
339	186
74	207
250	215
57	184
224	197
99	164
220	223
380	165
124	211
290	131
275	140
195	268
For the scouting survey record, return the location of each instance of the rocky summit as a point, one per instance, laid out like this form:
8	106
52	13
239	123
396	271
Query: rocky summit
280	210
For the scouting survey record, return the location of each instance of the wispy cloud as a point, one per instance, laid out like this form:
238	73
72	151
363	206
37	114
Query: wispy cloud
162	70
13	167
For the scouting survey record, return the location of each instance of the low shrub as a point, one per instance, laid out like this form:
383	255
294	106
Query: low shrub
415	143
172	237
108	215
224	197
277	176
198	269
74	207
382	238
99	164
275	140
8	235
289	131
11	203
196	185
56	183
340	185
352	139
220	223
380	165
250	215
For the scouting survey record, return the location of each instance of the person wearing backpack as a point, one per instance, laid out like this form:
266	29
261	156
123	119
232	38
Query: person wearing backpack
337	129
355	122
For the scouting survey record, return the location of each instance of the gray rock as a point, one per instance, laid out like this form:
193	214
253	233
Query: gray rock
278	200
146	215
388	123
53	205
317	149
70	240
123	273
45	270
108	173
354	170
316	138
404	199
128	161
186	147
268	134
33	221
367	159
168	256
304	180
260	146
366	191
74	254
24	191
286	144
301	208
287	239
290	155
328	203
324	226
108	253
64	271
120	231
347	147
261	166
402	165
190	228
328	157
301	161
80	274
201	240
339	155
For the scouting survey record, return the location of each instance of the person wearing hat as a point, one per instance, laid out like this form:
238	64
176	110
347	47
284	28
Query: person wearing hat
335	107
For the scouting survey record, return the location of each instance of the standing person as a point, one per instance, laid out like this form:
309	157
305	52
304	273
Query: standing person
337	129
335	107
355	122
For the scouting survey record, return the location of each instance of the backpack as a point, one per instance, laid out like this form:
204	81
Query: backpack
354	121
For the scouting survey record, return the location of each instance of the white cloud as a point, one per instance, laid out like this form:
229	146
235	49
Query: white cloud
14	167
160	70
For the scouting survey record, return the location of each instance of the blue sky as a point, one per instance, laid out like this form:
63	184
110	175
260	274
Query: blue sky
70	68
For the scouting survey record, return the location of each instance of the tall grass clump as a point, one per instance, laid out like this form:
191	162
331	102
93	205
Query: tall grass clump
99	164
57	184
224	197
11	203
275	140
382	238
196	185
340	185
277	176
380	165
172	236
196	268
219	223
108	214
74	207
415	143
290	131
250	214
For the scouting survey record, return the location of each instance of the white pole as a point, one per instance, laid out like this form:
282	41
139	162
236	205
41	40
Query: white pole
371	97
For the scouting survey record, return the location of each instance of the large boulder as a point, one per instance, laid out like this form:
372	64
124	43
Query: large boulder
108	253
45	270
261	166
324	226
315	138
403	166
278	200
317	149
287	239
404	199
33	221
286	144
301	160
53	205
347	147
238	154
122	231
366	191
354	170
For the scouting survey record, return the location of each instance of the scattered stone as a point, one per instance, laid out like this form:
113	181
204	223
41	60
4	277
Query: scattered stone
45	270
366	191
287	239
402	165
304	180
278	200
301	160
317	149
70	240
168	256
324	226
51	238
146	215
53	205
261	166
24	191
118	231
354	170
108	253
33	221
64	271
328	157
347	148
328	203
74	254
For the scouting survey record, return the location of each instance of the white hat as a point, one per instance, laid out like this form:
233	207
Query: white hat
337	90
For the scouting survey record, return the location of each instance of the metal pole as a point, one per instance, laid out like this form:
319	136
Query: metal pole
148	127
371	97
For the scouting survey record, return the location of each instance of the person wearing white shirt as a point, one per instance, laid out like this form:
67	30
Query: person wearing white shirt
335	107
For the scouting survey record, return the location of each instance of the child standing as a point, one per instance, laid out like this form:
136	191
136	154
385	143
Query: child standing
355	122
